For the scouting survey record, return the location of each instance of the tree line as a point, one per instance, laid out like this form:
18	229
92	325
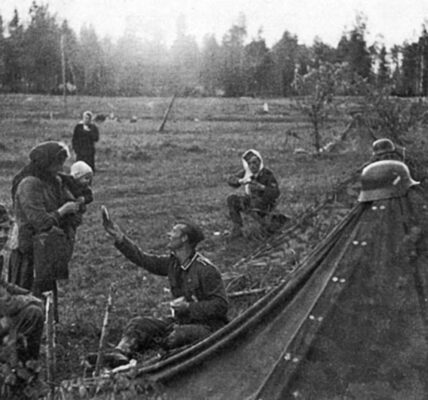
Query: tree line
38	56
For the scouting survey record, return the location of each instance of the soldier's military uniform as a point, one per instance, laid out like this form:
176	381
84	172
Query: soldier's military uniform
21	314
198	281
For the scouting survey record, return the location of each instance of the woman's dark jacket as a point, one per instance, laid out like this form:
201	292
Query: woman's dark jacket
266	178
83	143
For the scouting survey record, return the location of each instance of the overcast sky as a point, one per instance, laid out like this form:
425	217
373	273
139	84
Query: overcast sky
390	21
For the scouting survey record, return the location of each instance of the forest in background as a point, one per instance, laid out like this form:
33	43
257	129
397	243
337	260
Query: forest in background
38	52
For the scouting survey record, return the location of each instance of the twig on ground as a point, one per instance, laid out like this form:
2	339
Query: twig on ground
103	337
248	292
50	349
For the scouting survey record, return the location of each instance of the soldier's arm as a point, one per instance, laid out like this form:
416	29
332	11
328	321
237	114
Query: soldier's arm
13	299
15	289
155	264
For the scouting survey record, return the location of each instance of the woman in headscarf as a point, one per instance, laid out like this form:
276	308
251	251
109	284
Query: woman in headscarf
261	190
85	136
40	204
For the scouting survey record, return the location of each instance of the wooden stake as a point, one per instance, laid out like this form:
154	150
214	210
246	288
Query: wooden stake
103	337
165	117
55	301
50	349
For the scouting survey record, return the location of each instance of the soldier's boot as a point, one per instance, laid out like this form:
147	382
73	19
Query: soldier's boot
120	355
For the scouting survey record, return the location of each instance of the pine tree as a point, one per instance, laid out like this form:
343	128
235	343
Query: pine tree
285	56
210	69
232	51
13	53
42	54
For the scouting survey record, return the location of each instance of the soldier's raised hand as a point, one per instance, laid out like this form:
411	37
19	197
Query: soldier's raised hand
110	227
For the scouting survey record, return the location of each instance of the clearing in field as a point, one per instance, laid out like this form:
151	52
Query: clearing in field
148	180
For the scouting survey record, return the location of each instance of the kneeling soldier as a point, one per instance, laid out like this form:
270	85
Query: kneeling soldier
21	314
200	303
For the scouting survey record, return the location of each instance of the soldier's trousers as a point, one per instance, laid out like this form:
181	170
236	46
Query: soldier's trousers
145	332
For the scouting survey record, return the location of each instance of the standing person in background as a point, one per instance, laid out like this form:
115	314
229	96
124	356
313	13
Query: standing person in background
40	206
85	136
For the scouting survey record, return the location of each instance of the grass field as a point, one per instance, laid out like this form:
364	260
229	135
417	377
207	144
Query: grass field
148	180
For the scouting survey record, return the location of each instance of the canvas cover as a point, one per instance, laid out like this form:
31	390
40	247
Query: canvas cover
349	323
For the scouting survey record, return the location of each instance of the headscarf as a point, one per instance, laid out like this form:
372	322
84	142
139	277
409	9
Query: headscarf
87	113
85	126
79	169
41	157
248	176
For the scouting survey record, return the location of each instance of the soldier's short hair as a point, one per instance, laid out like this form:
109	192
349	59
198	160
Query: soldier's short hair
193	232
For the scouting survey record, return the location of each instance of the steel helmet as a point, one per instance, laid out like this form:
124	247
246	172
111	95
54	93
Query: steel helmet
385	179
385	148
382	146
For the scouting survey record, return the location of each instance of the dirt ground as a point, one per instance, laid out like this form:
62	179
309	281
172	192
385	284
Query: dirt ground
149	179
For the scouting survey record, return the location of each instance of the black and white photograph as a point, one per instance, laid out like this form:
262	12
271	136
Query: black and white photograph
213	200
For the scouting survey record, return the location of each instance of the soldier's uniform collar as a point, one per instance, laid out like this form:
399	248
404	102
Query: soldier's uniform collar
189	262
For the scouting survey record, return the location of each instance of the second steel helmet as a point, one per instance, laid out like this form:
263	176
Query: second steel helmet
385	148
382	146
384	180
